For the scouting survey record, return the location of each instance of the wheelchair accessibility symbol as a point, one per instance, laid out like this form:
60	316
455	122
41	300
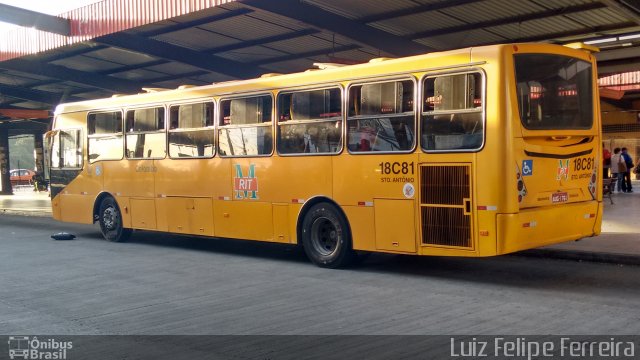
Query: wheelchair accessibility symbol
527	167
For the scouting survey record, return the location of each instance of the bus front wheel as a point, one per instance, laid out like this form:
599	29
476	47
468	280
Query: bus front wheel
326	238
110	219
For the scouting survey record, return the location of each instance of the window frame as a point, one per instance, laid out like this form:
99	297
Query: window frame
79	146
314	87
94	136
593	84
168	129
482	111
163	130
416	112
219	118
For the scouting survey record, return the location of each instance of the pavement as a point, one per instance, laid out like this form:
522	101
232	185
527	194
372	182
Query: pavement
619	242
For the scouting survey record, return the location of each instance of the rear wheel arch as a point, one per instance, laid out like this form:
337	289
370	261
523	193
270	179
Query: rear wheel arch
325	234
305	209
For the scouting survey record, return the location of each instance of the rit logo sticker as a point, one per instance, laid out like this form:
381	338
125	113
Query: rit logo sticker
246	187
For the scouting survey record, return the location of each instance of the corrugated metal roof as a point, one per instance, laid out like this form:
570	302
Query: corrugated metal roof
206	25
12	79
278	20
251	54
196	39
597	17
61	88
461	39
247	27
139	75
100	18
173	68
491	10
355	9
535	28
408	25
120	56
308	43
87	64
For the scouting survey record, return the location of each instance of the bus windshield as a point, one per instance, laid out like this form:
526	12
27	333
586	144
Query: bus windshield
554	92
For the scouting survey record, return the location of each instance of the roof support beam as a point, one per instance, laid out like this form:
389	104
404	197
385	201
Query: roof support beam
306	54
442	5
134	67
189	24
64	73
510	20
180	54
40	21
322	19
264	40
178	76
25	113
35	95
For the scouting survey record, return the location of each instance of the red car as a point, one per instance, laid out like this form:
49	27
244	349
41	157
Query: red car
21	176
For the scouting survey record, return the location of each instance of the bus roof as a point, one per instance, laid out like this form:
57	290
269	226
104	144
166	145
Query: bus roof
328	74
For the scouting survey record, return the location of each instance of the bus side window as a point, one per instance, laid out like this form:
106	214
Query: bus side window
191	130
145	136
381	117
66	150
452	117
105	136
310	122
245	126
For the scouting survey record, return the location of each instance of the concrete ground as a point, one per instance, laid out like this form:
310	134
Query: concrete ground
162	284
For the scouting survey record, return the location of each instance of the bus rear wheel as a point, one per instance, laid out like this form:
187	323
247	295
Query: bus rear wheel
326	238
110	219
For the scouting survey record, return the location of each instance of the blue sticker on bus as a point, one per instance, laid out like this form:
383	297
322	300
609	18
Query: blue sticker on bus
527	167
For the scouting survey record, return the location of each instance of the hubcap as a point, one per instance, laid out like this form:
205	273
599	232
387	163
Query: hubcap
110	218
324	236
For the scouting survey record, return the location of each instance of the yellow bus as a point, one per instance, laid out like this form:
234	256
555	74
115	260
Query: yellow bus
472	152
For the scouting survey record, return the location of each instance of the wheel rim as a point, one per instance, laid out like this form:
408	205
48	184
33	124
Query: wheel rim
324	236
110	218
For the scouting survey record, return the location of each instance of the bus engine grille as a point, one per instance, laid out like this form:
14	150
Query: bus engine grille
445	205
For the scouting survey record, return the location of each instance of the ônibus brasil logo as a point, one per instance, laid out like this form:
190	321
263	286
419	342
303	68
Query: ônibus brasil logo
246	187
25	347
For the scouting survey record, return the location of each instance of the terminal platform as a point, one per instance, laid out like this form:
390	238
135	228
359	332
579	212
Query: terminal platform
619	242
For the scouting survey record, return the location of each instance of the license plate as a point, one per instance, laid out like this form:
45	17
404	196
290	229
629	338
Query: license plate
559	197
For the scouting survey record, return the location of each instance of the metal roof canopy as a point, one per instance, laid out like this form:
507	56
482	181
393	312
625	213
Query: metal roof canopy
120	46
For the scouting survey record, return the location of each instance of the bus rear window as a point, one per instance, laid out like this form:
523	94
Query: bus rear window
554	92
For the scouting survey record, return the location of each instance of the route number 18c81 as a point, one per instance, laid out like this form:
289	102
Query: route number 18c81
583	164
397	168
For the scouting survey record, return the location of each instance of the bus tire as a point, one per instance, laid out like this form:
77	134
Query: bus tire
110	219
326	238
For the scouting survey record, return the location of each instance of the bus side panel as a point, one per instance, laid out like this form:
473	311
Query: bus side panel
243	220
125	211
76	202
281	223
363	234
184	192
193	177
130	178
525	229
395	225
365	182
143	214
